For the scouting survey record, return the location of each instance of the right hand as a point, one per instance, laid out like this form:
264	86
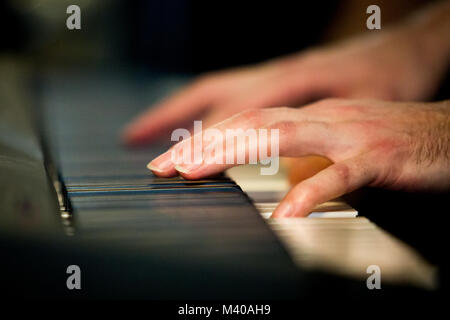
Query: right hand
395	145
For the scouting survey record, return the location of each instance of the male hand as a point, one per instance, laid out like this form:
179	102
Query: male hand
376	143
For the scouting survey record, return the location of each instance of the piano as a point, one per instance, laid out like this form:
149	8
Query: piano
71	194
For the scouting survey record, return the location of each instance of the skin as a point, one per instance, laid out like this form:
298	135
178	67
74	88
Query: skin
347	70
367	138
370	142
402	63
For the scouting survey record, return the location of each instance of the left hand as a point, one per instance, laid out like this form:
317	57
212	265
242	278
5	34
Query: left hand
370	142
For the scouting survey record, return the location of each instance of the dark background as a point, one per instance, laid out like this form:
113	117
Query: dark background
193	37
176	35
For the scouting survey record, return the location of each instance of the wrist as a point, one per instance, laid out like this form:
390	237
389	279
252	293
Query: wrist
434	152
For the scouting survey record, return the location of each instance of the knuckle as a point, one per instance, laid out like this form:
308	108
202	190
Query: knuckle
307	195
253	116
285	127
343	173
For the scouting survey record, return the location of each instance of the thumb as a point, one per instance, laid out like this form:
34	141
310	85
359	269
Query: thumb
332	182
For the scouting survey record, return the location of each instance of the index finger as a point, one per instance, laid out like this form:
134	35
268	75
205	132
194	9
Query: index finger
177	108
255	135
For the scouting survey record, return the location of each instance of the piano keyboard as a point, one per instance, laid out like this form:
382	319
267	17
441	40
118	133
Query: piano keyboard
114	198
333	238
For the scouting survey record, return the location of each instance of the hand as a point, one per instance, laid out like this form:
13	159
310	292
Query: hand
386	66
375	143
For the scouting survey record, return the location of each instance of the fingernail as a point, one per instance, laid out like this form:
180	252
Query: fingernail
187	168
284	210
154	168
161	163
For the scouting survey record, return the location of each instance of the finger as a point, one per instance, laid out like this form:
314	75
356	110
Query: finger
163	166
240	140
183	105
287	89
334	181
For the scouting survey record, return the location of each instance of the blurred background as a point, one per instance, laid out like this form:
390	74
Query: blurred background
179	35
182	37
